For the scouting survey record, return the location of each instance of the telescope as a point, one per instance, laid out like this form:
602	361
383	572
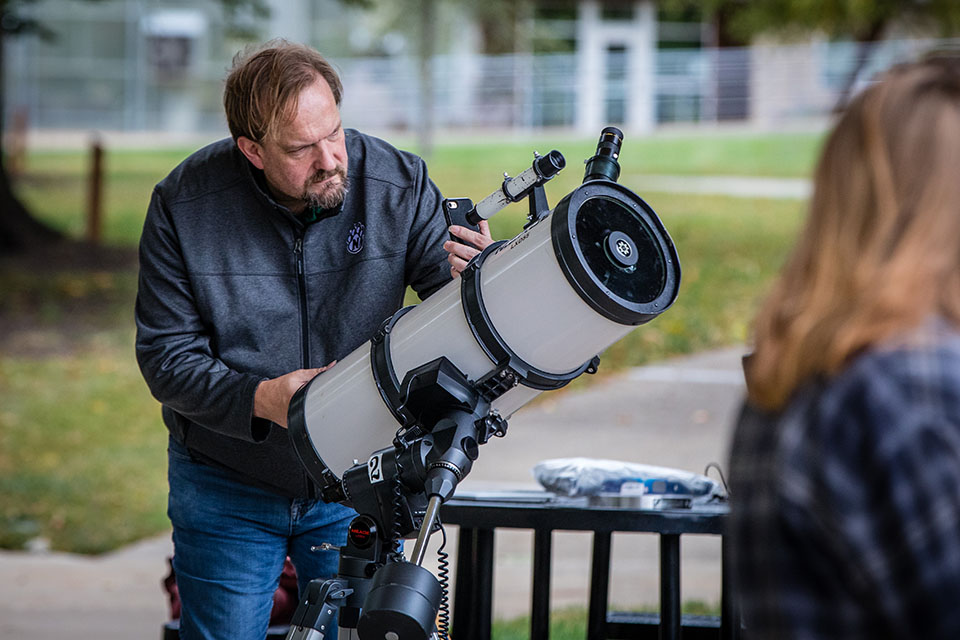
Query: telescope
397	424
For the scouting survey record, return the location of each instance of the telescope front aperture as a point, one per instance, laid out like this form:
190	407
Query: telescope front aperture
615	253
614	241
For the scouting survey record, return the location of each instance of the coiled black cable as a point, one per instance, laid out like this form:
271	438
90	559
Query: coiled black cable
443	576
396	544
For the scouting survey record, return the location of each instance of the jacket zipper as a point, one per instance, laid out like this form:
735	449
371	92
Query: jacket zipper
304	332
302	294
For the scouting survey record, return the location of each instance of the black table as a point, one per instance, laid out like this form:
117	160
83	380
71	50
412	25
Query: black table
479	514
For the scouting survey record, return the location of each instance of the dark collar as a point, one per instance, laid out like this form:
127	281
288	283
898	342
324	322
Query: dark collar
314	214
308	217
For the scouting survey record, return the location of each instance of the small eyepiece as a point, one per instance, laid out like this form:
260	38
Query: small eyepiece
550	165
611	139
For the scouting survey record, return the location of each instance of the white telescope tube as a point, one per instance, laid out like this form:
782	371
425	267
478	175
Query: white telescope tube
540	307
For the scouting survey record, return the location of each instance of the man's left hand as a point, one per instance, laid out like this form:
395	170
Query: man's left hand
271	400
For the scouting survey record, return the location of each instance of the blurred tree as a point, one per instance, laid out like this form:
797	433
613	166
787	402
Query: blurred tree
500	23
865	21
19	230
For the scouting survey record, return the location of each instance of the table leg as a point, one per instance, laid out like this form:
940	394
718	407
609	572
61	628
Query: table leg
540	610
463	589
729	605
669	586
599	586
473	601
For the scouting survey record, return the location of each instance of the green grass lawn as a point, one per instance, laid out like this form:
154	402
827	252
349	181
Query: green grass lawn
55	182
82	448
82	451
571	623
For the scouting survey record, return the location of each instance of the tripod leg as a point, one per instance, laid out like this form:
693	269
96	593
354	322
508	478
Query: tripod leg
311	620
429	519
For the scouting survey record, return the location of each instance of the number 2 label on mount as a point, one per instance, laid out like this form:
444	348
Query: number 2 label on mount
375	468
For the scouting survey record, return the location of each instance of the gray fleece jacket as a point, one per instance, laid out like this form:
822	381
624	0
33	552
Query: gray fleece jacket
234	289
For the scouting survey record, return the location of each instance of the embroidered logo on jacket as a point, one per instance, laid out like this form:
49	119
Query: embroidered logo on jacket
355	238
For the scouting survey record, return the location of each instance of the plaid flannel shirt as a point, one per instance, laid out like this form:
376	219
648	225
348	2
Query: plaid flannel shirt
845	515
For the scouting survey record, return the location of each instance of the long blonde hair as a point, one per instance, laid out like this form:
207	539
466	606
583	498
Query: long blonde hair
880	250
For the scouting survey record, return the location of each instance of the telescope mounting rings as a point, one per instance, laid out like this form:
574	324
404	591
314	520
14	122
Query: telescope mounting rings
509	365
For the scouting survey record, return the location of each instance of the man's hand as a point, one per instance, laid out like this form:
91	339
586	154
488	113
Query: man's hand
458	255
272	397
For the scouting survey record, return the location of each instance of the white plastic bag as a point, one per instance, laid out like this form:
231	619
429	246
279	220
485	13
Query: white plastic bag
593	477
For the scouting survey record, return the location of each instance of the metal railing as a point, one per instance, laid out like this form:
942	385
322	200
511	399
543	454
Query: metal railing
767	85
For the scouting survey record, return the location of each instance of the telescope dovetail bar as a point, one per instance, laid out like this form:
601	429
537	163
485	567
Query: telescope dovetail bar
441	378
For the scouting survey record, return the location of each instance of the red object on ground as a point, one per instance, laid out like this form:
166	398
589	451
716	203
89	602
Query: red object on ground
284	598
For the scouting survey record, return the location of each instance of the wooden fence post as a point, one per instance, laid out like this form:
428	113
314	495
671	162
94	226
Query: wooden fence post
95	194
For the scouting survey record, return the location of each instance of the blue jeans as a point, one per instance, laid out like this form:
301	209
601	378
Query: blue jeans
230	541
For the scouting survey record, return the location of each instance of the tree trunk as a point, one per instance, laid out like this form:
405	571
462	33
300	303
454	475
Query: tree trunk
732	87
428	33
865	42
19	231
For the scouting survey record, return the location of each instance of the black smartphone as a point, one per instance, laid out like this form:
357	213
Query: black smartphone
455	211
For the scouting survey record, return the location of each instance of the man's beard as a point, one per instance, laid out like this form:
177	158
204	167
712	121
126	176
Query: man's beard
332	194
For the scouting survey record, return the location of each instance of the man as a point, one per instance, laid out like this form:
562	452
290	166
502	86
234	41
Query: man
264	258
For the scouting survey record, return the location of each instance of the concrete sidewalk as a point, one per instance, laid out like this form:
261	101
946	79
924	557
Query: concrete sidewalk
676	414
735	186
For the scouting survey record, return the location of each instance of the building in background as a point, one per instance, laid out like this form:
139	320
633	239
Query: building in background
133	65
158	65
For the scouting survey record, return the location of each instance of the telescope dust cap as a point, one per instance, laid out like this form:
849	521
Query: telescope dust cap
615	252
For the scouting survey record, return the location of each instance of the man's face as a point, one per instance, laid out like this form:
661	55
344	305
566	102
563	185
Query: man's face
305	160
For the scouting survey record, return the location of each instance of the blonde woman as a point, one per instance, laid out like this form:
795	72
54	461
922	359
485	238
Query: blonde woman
846	461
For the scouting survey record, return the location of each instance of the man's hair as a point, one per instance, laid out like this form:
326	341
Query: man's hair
880	251
264	85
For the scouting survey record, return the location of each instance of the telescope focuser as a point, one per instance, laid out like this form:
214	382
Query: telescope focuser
605	165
